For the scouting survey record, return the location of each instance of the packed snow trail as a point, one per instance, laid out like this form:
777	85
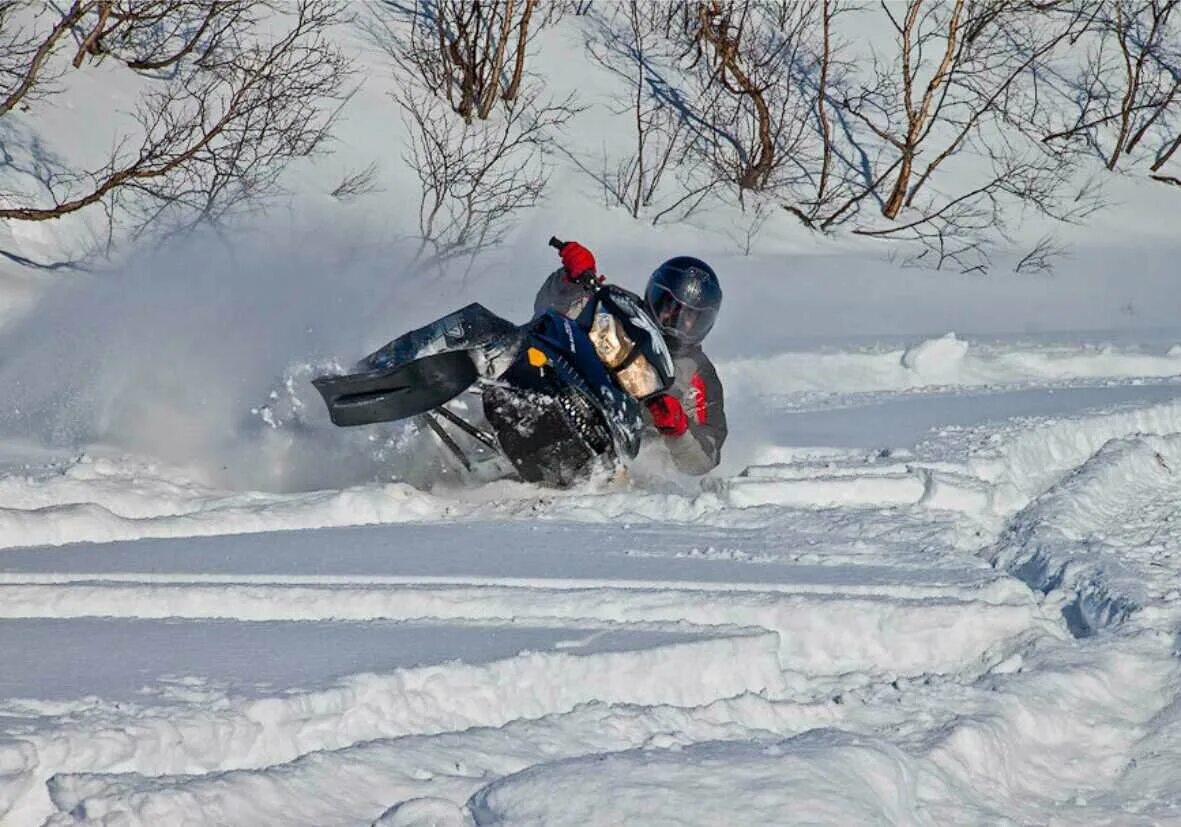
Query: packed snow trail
974	624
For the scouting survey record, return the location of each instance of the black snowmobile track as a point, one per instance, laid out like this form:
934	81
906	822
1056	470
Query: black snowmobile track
549	439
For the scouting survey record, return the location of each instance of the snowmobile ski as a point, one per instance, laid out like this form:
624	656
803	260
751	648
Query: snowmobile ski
399	392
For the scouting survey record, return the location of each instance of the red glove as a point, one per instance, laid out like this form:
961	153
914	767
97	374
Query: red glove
577	260
668	415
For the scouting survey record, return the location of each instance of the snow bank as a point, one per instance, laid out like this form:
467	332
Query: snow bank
1059	734
214	733
1023	462
357	783
210	515
947	361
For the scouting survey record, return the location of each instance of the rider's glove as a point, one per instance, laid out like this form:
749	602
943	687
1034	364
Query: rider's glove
668	415
578	262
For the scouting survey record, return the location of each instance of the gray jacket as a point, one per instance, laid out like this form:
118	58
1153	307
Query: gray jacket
696	386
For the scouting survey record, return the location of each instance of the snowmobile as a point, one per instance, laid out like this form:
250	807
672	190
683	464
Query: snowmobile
560	396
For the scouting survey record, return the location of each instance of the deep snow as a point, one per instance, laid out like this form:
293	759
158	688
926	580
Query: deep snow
821	634
933	582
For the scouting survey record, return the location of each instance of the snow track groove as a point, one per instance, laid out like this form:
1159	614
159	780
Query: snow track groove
1106	539
820	634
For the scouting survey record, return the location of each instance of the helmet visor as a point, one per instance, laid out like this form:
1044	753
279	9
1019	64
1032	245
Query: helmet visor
681	320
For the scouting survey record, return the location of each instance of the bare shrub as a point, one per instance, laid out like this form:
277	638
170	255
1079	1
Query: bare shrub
980	62
751	120
227	107
747	98
474	176
655	178
470	53
964	82
1127	95
479	124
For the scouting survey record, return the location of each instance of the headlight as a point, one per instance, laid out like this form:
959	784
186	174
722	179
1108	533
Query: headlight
640	379
614	346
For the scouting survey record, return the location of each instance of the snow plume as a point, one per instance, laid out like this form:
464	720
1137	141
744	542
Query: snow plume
200	355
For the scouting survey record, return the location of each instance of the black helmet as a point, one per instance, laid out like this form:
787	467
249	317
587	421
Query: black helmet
684	297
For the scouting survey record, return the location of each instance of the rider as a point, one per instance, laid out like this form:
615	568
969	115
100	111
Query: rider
683	296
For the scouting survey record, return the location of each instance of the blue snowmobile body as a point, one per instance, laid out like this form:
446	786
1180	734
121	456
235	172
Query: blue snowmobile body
554	408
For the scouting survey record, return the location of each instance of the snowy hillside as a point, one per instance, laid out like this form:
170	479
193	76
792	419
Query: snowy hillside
935	580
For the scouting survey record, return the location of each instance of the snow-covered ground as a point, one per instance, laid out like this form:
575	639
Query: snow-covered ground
936	580
963	623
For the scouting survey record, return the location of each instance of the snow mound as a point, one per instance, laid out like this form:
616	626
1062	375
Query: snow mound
1101	699
423	812
840	630
936	359
849	780
355	784
122	515
1023	462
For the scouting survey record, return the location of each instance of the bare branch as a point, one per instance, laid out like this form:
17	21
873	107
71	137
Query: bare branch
1040	258
1128	92
30	72
357	183
213	137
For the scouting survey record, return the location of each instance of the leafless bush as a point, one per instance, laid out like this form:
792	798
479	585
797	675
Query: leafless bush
475	171
825	57
754	101
751	121
1128	94
964	83
633	46
474	176
958	232
965	72
228	106
357	183
470	53
768	97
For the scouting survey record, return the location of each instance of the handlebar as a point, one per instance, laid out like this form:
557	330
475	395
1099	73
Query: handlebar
588	280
